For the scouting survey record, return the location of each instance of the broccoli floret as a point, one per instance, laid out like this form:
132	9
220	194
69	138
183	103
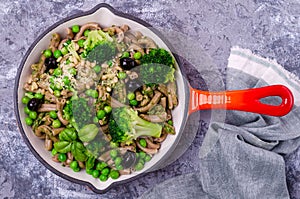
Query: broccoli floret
95	37
157	67
99	46
125	125
82	113
102	52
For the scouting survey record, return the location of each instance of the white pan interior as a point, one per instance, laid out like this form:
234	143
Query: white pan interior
105	18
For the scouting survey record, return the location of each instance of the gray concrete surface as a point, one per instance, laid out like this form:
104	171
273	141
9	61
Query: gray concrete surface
270	28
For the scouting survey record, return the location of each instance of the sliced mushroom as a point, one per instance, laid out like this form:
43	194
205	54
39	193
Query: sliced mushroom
136	48
105	156
70	34
47	108
138	96
161	138
170	102
152	103
163	89
125	171
48	143
59	106
61	44
49	97
152	145
124	27
145	100
90	26
163	102
115	103
47	120
55	158
56	131
172	92
54	42
104	128
147	150
147	42
155	118
81	164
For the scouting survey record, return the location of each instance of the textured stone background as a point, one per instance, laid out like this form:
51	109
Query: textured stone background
270	28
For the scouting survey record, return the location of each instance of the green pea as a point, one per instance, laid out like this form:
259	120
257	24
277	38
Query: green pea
57	53
94	94
53	114
89	171
130	96
58	87
113	153
32	115
57	72
68	61
73	164
72	71
142	155
114	174
113	145
119	167
147	158
56	93
143	142
110	63
95	173
53	152
75	28
95	120
103	178
25	100
28	121
26	110
67	116
29	95
139	166
97	69
126	54
105	171
107	109
137	55
133	102
142	161
64	50
84	54
86	33
48	53
101	165
38	96
170	122
56	123
100	114
66	80
80	43
76	169
118	160
122	75
62	157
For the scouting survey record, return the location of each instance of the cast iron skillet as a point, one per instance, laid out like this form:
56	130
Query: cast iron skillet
190	100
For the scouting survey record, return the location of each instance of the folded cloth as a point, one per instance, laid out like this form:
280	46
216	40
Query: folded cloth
242	156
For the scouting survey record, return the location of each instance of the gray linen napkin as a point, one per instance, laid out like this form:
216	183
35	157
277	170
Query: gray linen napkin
241	157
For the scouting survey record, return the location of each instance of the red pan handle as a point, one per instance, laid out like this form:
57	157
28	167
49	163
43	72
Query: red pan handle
243	100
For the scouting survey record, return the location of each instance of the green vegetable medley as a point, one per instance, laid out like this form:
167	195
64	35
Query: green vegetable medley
101	99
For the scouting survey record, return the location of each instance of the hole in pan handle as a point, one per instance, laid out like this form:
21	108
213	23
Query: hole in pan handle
243	100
